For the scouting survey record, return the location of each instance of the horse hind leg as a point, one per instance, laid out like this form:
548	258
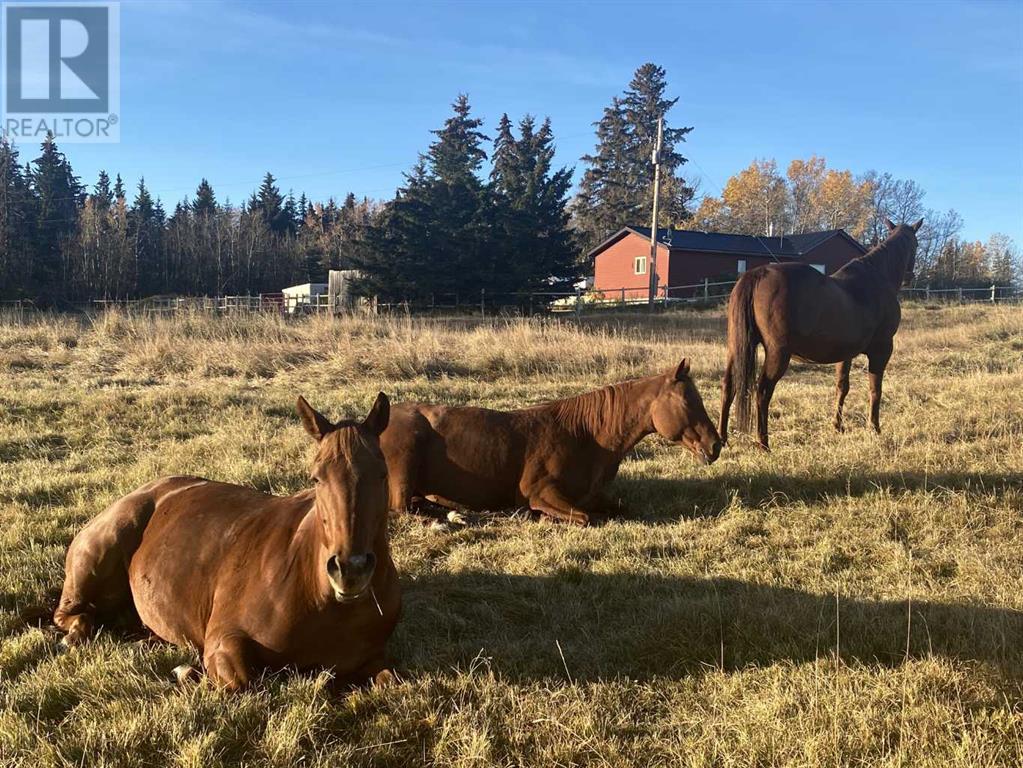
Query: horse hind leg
776	362
727	396
96	586
841	390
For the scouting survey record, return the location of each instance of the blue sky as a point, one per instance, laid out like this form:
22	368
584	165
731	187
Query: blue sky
333	97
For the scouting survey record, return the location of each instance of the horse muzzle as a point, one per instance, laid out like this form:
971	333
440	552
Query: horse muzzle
350	577
705	453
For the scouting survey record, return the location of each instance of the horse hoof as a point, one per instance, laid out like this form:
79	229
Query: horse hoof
385	678
185	673
839	427
439	526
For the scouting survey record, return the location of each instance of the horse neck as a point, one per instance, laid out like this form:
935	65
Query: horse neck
616	417
304	555
889	259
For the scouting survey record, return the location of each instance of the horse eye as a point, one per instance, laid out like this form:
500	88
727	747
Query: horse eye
314	478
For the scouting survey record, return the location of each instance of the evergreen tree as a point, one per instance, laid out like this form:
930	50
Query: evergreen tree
530	206
290	213
145	228
59	194
17	222
119	189
205	202
103	195
434	237
603	204
269	204
617	187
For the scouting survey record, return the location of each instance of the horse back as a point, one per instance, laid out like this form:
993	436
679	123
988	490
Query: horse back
470	456
818	318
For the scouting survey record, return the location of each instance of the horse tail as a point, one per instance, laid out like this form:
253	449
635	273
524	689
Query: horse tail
743	338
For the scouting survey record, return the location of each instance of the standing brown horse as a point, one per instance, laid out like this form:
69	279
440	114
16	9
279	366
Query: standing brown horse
555	457
251	580
794	310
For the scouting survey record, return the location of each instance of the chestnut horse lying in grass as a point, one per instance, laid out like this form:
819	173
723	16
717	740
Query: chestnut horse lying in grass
554	458
794	310
253	581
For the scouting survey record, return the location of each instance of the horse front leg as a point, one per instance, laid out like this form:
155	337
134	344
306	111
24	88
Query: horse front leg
226	659
877	361
841	390
554	504
776	362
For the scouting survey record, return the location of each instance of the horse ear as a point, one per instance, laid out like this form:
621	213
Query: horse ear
379	415
916	227
315	423
682	372
891	224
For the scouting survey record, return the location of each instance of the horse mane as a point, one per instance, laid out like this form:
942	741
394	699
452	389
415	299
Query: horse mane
600	411
888	257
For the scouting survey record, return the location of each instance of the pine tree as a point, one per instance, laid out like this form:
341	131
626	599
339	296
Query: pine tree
119	189
530	206
290	213
205	202
59	194
145	228
269	203
102	195
434	237
617	187
17	222
603	204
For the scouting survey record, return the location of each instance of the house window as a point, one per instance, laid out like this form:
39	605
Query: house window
640	265
740	266
819	268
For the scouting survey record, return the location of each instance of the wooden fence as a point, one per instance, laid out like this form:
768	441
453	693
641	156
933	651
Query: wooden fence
524	303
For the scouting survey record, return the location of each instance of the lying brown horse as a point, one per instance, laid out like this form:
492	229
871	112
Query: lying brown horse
554	458
794	310
252	581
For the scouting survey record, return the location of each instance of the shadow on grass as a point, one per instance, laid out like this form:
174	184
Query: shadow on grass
664	500
595	627
641	626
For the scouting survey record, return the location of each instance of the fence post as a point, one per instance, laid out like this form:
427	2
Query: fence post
623	295
993	290
483	302
706	288
960	294
578	301
927	292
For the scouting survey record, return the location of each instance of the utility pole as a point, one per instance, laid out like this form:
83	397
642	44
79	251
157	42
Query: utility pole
656	158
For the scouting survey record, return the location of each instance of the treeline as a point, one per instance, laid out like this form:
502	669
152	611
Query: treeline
810	197
59	242
475	214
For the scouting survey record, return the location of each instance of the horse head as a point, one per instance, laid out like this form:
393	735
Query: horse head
905	233
351	495
678	414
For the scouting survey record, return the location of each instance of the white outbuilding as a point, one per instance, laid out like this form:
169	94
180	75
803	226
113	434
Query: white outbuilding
300	298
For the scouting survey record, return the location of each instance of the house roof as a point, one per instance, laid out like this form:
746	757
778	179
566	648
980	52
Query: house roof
785	247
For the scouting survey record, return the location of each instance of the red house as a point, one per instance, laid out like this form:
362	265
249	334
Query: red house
687	257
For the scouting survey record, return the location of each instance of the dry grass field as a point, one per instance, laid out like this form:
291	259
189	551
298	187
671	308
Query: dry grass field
847	600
